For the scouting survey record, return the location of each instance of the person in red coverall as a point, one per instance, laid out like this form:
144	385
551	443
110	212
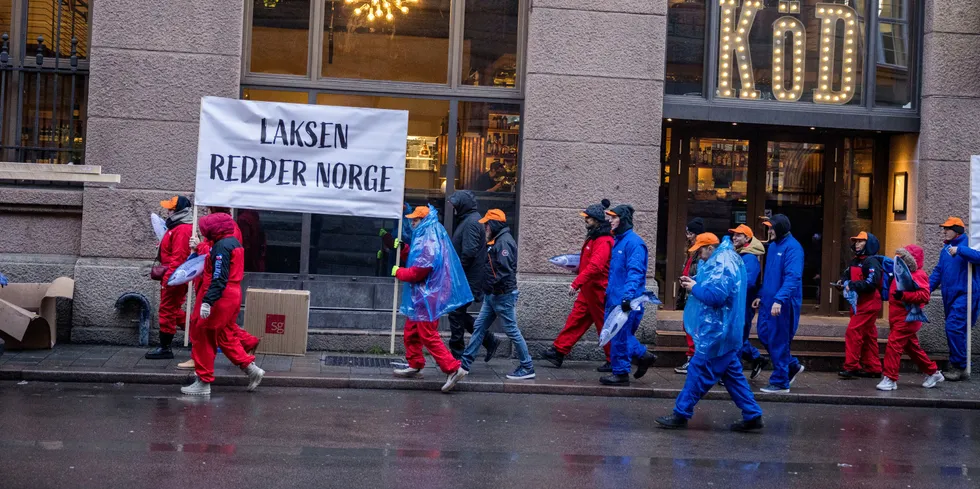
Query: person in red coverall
693	229
219	307
174	250
863	276
249	343
421	329
588	288
904	334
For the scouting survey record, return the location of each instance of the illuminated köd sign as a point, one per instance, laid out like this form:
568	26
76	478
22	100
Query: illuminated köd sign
788	58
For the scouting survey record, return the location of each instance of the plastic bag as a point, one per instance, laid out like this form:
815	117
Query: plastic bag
617	318
851	297
566	262
191	269
446	288
159	226
905	283
716	320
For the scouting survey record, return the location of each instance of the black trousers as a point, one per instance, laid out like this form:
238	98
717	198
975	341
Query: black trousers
460	323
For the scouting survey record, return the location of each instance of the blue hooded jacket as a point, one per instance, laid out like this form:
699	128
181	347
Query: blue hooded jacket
627	269
715	312
950	274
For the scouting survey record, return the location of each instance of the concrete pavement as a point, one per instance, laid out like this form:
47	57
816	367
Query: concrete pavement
82	436
84	363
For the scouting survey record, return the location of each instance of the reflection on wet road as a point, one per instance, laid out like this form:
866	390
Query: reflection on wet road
96	435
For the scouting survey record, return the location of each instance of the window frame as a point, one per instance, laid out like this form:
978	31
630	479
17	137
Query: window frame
905	22
453	86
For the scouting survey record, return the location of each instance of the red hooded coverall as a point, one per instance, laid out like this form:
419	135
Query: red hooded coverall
590	304
174	250
223	273
904	335
861	338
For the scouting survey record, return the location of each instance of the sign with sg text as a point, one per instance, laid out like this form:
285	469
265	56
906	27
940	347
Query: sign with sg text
301	158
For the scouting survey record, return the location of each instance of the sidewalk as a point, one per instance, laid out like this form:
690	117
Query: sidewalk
84	363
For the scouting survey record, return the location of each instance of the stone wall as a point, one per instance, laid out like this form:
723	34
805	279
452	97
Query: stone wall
593	111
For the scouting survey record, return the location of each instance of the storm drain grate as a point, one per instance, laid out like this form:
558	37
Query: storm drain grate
352	361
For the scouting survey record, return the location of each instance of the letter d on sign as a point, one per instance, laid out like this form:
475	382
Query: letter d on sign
275	324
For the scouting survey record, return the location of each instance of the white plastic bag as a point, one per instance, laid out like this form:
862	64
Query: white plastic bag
617	318
190	270
159	226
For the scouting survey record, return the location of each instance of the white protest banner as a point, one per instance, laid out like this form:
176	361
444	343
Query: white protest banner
301	158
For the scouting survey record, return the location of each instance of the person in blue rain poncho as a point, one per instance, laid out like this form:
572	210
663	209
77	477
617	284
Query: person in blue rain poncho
434	285
779	303
949	276
714	316
627	281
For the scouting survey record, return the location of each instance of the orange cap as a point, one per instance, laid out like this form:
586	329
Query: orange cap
169	204
419	212
862	236
494	215
953	221
743	229
704	239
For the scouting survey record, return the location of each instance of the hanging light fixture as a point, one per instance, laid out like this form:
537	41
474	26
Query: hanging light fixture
270	3
380	9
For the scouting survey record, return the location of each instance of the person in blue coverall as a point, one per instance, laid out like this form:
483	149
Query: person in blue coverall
779	303
950	277
627	281
715	317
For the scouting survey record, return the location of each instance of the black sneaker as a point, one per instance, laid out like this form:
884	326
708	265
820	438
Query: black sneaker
672	422
605	368
868	375
553	356
614	379
644	364
744	426
848	374
160	353
757	365
491	351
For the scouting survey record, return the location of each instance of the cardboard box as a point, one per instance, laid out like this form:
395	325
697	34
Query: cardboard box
281	318
28	313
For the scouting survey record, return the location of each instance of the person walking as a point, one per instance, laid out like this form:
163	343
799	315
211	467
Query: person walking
173	252
694	228
864	277
220	306
501	297
715	318
779	303
950	277
903	337
470	241
430	276
750	249
627	281
588	288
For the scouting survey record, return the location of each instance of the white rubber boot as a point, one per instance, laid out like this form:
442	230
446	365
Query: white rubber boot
255	375
198	388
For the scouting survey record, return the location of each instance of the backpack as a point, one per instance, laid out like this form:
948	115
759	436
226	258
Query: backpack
888	267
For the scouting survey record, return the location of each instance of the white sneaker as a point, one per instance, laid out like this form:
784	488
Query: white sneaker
683	368
454	378
198	388
933	380
887	384
255	375
407	373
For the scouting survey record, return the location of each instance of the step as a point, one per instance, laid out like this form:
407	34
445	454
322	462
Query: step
814	326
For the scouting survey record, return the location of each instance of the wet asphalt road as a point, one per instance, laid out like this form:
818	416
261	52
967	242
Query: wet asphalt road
134	436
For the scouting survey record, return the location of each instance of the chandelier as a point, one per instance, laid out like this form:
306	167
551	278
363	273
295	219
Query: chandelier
376	9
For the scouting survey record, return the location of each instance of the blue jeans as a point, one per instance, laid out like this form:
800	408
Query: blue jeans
624	347
703	373
504	306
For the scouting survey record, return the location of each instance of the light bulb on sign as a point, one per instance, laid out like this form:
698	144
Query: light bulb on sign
781	28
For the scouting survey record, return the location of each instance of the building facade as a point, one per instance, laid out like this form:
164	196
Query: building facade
845	115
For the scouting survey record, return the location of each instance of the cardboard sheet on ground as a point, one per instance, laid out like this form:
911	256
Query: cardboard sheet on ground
617	318
28	313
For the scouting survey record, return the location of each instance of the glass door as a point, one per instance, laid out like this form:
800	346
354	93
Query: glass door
717	183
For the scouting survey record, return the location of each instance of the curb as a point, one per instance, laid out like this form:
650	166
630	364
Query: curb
274	379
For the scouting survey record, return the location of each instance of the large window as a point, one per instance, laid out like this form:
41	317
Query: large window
454	43
43	80
685	47
894	81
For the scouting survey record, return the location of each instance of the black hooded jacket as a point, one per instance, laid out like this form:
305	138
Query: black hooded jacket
502	257
470	240
870	266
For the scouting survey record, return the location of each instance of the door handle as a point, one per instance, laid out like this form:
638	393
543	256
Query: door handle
675	290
